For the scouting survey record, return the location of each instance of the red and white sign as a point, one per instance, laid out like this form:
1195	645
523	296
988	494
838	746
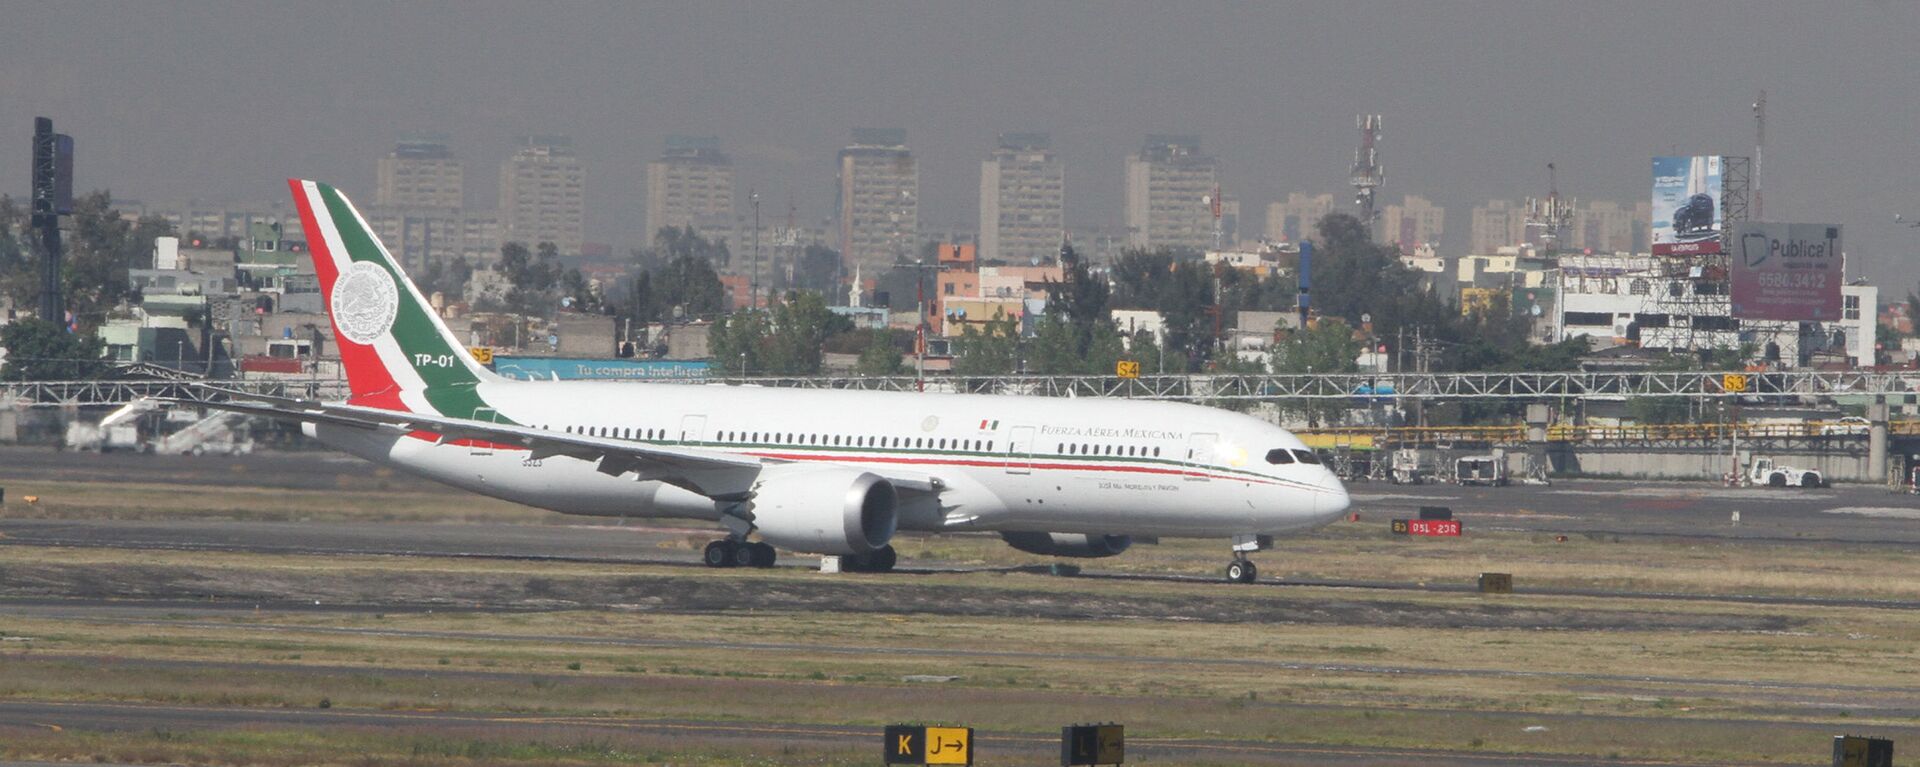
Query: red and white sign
1790	272
1442	527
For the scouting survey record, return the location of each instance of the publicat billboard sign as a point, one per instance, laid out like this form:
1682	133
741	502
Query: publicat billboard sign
1790	272
1686	205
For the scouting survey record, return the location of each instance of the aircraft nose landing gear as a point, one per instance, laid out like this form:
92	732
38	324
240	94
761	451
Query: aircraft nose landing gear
1241	569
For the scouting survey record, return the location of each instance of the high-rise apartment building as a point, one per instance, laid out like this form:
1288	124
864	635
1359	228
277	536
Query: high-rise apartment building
1414	222
1169	184
1604	227
540	194
420	171
879	201
691	184
1296	219
1497	224
419	235
1022	200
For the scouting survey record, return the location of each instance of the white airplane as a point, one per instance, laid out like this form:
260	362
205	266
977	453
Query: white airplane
819	471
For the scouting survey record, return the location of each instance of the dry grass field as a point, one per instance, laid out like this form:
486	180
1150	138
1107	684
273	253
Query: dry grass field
556	662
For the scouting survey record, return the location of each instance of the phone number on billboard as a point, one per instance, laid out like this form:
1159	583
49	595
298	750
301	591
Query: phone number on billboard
1791	280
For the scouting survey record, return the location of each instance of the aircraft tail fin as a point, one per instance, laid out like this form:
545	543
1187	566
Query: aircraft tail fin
397	352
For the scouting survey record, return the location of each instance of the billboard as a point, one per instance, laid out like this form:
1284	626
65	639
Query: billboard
583	369
1790	272
1686	205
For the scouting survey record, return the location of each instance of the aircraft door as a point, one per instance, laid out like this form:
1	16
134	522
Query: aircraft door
693	429
477	446
1200	455
1020	450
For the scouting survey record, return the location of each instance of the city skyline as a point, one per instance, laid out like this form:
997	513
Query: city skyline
1477	99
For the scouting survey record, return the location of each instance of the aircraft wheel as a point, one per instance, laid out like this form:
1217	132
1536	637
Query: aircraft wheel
763	554
719	554
880	560
744	555
1242	571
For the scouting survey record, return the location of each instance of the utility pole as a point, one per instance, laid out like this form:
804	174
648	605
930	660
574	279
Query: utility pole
920	312
753	291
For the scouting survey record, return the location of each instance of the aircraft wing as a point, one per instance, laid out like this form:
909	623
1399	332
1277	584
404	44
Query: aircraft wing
709	473
712	473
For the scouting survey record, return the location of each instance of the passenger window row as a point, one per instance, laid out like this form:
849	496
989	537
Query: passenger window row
1130	451
791	438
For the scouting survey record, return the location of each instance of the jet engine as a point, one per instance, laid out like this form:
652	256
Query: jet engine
1068	544
825	510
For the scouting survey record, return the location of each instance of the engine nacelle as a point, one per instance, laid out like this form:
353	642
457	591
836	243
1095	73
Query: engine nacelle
825	510
1068	544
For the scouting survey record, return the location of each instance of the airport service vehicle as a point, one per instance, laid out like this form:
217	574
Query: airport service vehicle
829	472
1411	466
1488	470
1765	472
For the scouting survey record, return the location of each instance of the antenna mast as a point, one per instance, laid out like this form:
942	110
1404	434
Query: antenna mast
1368	174
1759	148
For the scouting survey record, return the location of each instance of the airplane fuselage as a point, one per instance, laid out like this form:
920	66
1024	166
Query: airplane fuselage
1006	463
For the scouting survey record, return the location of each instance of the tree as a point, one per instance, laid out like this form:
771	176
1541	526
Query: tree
580	294
1138	276
532	276
38	350
1326	345
1078	299
881	356
800	328
1053	348
737	343
448	277
690	284
818	269
992	351
671	243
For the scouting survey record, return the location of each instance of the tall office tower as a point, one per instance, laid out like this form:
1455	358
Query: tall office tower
1298	218
879	201
691	185
1603	227
1022	200
1168	186
420	172
1414	222
1496	225
540	194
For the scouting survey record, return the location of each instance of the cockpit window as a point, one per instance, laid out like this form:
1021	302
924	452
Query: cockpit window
1279	455
1306	456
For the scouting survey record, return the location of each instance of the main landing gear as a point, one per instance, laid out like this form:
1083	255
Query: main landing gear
731	553
879	560
1241	569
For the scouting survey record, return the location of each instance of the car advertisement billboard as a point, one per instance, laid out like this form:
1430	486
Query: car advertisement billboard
1686	205
1790	272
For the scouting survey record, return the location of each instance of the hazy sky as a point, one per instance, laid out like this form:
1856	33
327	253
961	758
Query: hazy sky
177	100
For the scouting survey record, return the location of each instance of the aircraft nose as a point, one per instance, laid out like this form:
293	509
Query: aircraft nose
1331	500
